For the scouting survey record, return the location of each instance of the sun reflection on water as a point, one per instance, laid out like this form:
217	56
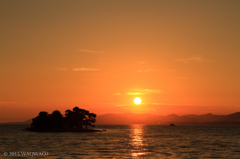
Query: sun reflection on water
137	141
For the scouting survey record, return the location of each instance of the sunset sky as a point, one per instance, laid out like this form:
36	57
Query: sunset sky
179	57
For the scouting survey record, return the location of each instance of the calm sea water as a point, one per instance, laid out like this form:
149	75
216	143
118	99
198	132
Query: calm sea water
123	141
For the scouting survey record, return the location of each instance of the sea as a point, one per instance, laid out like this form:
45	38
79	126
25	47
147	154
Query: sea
123	141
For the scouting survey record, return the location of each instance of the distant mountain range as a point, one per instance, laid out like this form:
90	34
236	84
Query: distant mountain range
25	122
192	119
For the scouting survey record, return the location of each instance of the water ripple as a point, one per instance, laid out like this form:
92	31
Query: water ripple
127	141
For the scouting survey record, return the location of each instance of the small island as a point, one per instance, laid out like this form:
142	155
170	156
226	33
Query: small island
74	121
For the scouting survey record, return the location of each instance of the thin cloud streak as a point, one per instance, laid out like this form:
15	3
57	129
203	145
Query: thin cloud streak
133	93
153	90
193	59
7	103
77	69
90	51
141	92
85	69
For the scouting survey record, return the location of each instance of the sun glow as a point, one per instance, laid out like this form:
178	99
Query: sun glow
137	100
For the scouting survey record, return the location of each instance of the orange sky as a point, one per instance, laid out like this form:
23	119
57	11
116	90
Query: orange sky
180	57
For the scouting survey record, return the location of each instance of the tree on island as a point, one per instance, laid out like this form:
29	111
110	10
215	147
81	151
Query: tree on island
73	120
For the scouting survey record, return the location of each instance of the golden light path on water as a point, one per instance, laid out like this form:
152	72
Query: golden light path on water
137	141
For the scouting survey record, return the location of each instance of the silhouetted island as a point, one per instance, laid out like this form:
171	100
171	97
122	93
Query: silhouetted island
73	121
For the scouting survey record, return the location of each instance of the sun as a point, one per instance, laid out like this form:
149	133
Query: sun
137	100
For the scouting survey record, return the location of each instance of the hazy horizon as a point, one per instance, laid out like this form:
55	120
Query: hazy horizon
133	115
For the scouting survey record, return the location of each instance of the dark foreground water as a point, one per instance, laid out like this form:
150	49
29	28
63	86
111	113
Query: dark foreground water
123	141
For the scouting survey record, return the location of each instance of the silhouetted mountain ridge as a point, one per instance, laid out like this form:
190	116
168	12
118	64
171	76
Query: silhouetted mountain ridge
191	119
25	122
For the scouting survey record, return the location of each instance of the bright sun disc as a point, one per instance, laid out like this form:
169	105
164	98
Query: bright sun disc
137	100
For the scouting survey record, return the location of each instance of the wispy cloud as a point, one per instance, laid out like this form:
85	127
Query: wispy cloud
85	69
152	91
144	70
157	103
90	51
140	92
133	93
77	69
193	59
7	103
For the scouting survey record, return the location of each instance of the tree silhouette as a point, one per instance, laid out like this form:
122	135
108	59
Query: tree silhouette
74	119
90	118
69	119
55	119
40	121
